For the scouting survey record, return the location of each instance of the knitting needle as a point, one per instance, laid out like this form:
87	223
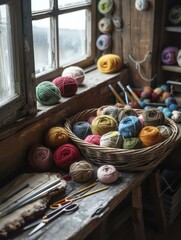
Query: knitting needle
116	94
123	89
133	94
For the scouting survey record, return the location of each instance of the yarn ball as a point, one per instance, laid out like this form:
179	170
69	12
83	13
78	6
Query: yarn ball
75	72
111	111
169	55
111	139
153	117
173	107
154	96
132	143
147	101
160	108
126	112
130	126
164	87
134	104
40	158
179	57
47	93
147	89
176	116
81	171
68	85
167	112
150	136
174	15
93	139
105	6
82	129
100	110
109	63
56	136
105	25
165	131
103	124
103	42
158	90
170	100
107	174
145	94
65	155
142	104
141	5
90	119
165	95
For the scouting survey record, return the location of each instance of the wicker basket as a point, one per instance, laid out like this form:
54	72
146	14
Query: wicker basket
123	159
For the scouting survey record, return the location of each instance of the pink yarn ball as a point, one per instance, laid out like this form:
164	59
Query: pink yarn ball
107	174
40	158
68	85
90	119
65	155
93	139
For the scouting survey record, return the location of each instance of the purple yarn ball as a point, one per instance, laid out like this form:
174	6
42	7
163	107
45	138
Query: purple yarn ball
169	55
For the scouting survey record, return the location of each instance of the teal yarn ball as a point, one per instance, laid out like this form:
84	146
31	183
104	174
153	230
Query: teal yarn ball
130	126
167	112
111	139
82	129
47	93
165	87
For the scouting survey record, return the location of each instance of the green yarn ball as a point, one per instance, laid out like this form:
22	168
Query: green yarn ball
132	143
47	93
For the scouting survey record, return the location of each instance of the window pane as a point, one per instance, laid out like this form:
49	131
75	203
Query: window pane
37	5
42	41
72	37
7	86
66	3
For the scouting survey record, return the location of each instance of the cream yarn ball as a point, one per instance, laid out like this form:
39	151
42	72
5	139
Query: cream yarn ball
107	174
141	5
75	72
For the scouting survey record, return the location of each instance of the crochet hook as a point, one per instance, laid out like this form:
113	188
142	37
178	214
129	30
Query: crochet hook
123	89
116	94
133	94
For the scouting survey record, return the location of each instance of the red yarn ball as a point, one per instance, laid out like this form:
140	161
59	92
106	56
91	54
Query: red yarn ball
134	105
154	96
93	139
68	85
65	155
40	158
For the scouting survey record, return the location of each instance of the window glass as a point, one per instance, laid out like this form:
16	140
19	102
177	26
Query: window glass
7	86
72	36
64	3
37	5
43	45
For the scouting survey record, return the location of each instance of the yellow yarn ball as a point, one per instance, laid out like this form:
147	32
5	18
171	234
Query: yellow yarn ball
158	90
103	124
81	171
109	63
56	136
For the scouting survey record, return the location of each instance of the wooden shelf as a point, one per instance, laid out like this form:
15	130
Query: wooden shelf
173	29
174	68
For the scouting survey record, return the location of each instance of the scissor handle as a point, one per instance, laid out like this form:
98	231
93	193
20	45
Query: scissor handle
67	209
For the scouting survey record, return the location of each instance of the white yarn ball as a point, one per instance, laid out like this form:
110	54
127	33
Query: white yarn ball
75	72
176	116
107	174
141	5
179	58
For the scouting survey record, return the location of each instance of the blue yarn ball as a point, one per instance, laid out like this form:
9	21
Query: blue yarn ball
142	104
82	129
165	87
173	107
170	100
129	126
160	108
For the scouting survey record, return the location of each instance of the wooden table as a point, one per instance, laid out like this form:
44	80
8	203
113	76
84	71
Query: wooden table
78	225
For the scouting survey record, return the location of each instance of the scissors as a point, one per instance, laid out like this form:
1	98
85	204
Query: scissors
77	195
67	208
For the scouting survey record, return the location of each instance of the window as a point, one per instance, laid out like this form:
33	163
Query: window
62	35
38	39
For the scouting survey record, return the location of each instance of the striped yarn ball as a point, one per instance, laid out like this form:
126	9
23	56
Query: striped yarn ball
111	111
75	72
47	93
56	136
165	131
152	117
82	129
126	112
103	124
130	126
101	109
111	139
150	136
68	85
132	143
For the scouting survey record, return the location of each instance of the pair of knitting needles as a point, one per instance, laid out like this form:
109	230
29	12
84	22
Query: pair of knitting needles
129	96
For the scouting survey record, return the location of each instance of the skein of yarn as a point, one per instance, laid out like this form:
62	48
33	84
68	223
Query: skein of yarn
81	171
103	124
109	63
130	126
47	93
105	6
169	55
82	129
68	85
103	42
75	72
150	136
56	136
65	155
105	25
179	57
107	174
165	131
40	158
111	139
132	143
141	5
126	112
152	117
111	111
93	139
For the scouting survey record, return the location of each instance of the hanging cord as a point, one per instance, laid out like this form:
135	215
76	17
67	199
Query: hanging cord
138	67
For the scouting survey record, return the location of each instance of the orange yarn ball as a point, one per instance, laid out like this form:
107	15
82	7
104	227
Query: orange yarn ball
150	136
148	89
166	95
56	136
